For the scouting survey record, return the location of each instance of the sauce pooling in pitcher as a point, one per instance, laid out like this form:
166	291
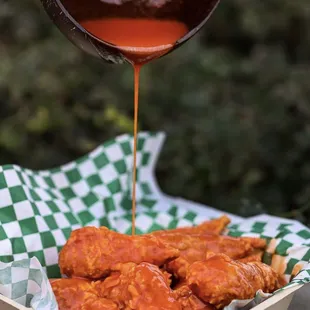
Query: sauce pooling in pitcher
140	40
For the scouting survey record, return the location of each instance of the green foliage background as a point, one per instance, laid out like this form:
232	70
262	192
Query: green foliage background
239	96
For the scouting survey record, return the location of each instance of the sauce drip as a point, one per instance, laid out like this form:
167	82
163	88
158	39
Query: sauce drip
140	40
137	69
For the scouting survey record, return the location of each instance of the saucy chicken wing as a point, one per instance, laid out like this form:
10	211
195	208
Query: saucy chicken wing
194	248
219	280
93	252
188	300
139	287
215	226
79	294
256	256
130	286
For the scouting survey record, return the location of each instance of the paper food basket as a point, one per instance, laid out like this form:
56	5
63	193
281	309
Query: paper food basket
39	209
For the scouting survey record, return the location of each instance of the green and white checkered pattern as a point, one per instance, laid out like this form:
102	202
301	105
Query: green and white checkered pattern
26	283
39	209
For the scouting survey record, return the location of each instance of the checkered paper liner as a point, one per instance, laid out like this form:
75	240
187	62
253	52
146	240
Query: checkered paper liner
26	283
39	209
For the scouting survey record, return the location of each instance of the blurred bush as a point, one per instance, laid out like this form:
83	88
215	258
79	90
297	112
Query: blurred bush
234	103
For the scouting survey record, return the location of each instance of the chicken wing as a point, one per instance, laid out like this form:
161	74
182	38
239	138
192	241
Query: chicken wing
256	243
255	256
92	252
215	226
193	248
129	286
139	287
188	300
219	280
79	294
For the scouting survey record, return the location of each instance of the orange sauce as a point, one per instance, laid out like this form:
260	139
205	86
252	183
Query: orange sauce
140	40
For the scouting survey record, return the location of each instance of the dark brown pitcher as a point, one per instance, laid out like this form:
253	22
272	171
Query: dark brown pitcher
68	15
